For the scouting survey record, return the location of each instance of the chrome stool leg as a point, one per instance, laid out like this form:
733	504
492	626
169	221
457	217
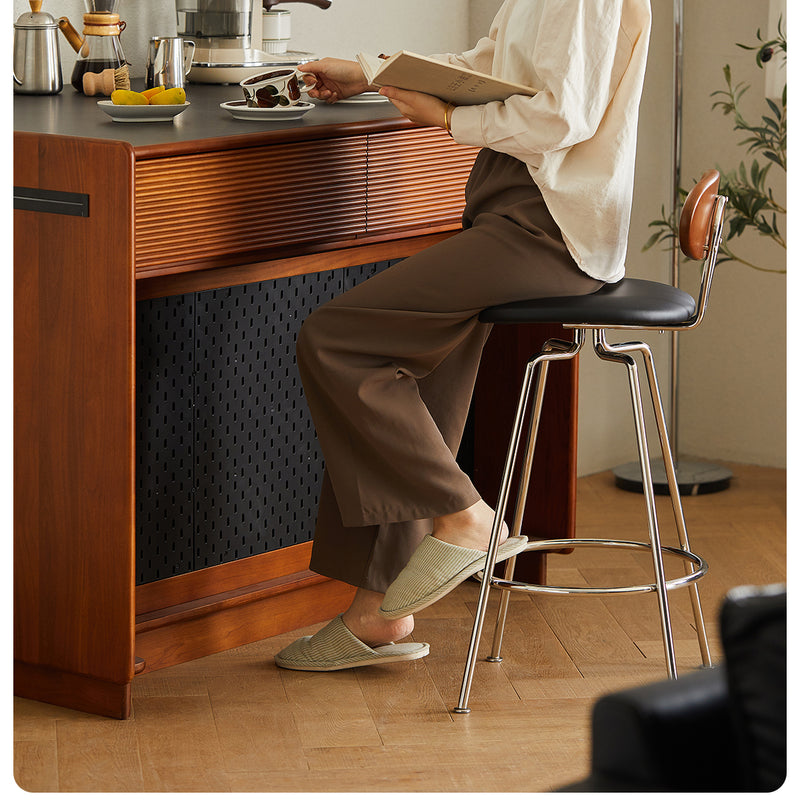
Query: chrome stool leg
568	352
675	496
619	353
522	491
502	612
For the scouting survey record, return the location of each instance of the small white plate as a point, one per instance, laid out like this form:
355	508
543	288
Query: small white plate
365	98
141	113
239	109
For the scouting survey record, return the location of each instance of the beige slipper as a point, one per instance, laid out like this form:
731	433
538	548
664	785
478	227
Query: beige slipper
334	647
436	568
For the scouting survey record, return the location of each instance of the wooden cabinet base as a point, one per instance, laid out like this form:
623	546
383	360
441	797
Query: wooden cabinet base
187	631
79	692
192	630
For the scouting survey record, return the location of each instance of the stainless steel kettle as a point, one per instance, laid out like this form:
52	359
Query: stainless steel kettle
37	59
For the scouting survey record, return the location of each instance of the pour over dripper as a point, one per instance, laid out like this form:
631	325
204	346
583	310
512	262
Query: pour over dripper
99	47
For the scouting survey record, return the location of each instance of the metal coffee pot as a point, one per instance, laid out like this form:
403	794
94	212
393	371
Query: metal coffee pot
169	59
37	59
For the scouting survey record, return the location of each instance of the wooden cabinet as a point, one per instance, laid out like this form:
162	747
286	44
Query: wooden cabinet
156	220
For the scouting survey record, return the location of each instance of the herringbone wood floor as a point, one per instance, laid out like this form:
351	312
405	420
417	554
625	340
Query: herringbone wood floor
234	722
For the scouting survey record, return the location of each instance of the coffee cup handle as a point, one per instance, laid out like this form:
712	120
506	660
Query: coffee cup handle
303	77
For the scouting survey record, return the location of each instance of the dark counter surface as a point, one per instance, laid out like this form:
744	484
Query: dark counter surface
74	114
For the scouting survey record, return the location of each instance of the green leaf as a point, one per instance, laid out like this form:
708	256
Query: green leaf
651	241
774	106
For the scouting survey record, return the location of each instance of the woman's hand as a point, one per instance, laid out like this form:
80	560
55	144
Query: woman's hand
336	79
420	108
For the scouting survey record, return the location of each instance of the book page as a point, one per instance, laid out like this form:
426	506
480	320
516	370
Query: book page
450	83
369	65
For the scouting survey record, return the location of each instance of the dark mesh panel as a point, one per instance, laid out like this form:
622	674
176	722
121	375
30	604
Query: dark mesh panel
228	464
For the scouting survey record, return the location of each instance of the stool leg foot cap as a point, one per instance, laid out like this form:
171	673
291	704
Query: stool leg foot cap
494	659
458	710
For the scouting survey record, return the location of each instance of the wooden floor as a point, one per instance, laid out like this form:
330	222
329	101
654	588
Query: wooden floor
234	722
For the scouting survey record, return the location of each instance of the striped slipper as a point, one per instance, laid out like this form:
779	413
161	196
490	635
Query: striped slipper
436	568
334	647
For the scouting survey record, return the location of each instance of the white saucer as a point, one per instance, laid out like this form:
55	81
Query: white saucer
365	98
147	113
239	109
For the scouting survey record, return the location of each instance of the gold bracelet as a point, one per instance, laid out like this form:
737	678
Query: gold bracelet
448	110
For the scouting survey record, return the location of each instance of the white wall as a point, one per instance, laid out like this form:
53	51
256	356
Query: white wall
733	368
385	26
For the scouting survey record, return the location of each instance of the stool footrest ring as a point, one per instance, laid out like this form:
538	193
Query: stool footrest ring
700	568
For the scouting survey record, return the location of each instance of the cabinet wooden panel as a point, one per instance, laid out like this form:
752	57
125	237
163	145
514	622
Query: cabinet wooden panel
73	358
195	207
416	179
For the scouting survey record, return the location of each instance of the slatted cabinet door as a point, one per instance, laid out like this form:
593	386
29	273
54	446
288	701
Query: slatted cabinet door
205	208
221	208
415	180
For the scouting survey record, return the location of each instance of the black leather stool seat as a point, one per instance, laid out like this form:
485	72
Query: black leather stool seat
639	303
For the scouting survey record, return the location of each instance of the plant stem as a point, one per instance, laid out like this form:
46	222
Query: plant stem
734	257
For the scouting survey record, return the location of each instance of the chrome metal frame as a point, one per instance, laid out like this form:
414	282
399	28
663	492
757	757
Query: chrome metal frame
534	379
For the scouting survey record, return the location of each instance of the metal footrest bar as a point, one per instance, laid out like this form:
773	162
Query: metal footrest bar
700	569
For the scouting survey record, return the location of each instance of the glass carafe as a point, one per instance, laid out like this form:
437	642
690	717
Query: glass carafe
99	47
101	6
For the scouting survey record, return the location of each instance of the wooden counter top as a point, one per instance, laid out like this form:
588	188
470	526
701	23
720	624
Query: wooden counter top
213	191
204	125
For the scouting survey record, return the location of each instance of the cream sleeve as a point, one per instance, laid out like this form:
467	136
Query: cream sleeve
479	58
579	53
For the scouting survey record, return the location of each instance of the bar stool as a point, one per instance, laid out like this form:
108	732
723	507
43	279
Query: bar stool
627	305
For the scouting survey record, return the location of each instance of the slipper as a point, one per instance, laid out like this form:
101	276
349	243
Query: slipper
334	647
436	568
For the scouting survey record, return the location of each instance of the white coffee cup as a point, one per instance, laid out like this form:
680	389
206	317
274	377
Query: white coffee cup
278	87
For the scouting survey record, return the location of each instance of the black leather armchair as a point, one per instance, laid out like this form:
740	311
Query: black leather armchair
720	729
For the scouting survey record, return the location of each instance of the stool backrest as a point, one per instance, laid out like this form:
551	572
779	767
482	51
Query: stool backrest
697	215
700	233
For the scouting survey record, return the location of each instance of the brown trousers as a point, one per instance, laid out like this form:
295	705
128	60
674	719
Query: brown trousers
389	367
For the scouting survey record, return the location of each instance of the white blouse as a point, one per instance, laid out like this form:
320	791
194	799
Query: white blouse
577	135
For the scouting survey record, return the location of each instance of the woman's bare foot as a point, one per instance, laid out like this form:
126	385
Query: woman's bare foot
471	527
365	623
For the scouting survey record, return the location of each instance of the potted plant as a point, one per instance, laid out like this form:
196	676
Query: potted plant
751	203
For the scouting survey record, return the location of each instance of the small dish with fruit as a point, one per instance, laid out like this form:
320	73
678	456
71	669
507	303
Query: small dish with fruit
152	105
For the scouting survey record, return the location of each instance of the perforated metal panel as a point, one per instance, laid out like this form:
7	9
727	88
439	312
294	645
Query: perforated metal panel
228	464
165	358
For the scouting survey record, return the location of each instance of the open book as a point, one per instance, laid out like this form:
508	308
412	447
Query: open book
450	83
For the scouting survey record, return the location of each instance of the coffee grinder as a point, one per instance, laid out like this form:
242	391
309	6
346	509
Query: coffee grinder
227	36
